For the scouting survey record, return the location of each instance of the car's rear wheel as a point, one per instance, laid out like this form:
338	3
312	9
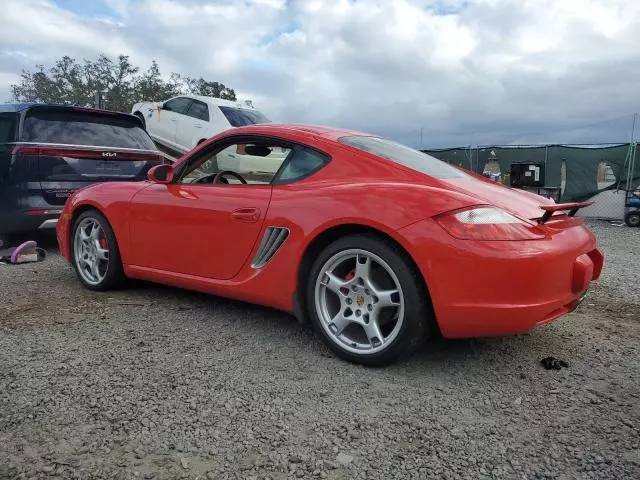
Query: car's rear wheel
367	301
96	257
632	219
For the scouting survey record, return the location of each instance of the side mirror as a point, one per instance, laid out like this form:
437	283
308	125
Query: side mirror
161	174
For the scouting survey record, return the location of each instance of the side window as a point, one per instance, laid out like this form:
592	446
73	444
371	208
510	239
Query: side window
7	127
178	105
254	162
8	123
304	162
199	110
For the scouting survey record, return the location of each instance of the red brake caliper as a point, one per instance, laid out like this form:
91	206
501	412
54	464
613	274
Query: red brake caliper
348	276
103	243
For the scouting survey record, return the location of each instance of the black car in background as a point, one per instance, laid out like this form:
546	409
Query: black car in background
48	151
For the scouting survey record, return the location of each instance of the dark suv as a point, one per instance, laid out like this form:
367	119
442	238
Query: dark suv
48	151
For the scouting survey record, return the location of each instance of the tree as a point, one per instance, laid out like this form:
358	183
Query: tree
122	84
151	86
209	89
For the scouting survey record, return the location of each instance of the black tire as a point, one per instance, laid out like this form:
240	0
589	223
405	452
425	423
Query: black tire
632	219
418	317
141	117
114	275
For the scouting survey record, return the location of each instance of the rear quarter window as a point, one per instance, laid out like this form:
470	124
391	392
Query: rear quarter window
303	163
403	155
84	128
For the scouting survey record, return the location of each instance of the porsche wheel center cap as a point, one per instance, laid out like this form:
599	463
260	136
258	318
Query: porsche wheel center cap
360	300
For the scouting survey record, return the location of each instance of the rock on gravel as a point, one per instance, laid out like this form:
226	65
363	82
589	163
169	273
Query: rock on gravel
344	459
134	383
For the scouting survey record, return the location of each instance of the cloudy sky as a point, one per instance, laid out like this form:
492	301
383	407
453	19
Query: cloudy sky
461	71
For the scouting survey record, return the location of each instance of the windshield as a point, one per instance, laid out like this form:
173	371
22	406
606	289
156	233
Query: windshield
84	128
239	117
403	155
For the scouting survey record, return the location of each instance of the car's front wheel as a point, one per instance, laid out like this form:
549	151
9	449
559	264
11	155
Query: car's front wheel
367	301
96	257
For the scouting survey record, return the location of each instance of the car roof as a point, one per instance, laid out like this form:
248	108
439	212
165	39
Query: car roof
220	102
331	133
20	107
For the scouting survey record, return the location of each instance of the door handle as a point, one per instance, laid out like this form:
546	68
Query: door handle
198	126
246	214
174	120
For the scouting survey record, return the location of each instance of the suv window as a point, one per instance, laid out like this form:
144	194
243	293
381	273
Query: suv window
178	105
75	127
7	134
199	110
239	117
403	155
7	127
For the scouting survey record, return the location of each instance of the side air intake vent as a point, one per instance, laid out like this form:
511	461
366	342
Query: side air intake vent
273	239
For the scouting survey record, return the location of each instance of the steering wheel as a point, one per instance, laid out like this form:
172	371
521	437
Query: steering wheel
218	178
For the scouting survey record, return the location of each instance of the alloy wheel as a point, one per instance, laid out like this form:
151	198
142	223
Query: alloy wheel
359	301
91	251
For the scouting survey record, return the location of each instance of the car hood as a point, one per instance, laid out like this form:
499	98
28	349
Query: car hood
523	204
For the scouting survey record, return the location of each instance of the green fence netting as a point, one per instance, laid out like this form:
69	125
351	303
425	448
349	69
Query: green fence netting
582	165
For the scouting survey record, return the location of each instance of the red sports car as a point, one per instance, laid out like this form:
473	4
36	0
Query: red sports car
374	243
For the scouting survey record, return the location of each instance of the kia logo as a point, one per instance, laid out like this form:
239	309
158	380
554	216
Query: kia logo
109	154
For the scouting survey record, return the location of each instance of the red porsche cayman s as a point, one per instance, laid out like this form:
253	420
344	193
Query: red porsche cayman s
374	243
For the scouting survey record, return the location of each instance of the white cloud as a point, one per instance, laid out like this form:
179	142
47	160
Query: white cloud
467	71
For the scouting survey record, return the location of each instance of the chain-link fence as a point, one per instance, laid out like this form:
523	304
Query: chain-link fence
605	174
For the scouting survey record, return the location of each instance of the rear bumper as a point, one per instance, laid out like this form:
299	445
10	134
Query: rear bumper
62	235
483	289
20	223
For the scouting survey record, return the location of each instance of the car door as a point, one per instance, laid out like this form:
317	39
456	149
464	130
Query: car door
195	227
193	126
168	117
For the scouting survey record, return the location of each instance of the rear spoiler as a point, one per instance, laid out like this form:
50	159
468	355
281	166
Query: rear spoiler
573	208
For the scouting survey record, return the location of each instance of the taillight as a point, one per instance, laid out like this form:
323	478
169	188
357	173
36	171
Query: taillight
95	154
25	150
487	223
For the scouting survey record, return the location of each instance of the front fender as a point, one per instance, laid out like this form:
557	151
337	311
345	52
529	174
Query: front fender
111	199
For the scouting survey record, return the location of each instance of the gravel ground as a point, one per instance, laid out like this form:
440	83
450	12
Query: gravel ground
155	382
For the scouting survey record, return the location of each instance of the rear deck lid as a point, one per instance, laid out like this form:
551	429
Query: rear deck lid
523	204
